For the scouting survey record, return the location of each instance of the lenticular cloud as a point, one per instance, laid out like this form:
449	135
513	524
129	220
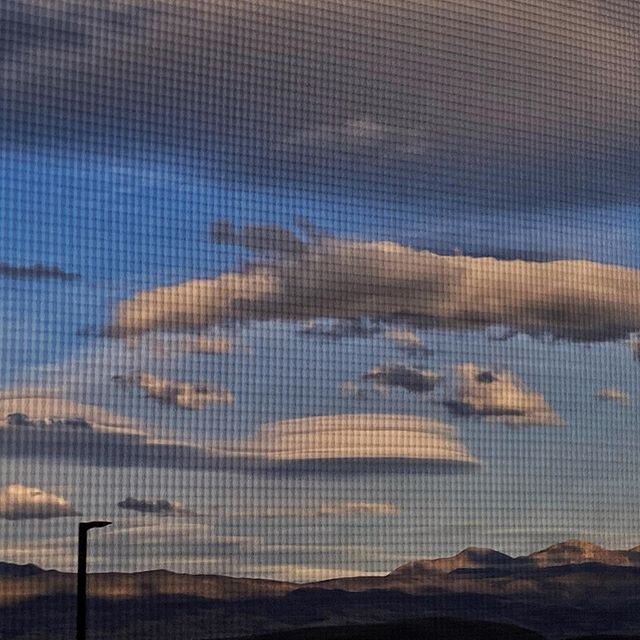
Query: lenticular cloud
348	441
329	278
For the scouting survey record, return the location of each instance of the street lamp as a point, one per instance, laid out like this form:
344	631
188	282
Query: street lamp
81	610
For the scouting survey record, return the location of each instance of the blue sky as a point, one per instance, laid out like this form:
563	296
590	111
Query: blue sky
125	228
467	131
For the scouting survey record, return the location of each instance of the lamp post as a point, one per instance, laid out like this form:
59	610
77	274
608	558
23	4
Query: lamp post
81	602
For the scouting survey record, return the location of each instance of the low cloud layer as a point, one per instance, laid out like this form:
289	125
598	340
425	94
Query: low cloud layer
354	443
409	378
18	502
186	395
499	396
384	281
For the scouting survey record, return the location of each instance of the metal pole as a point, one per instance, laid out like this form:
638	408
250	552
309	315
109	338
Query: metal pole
81	596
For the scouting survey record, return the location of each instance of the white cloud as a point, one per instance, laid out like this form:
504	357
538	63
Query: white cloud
574	299
18	502
499	396
357	441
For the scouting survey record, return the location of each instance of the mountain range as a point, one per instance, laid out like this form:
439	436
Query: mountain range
574	588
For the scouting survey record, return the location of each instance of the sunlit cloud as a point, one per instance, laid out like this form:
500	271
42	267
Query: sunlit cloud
499	396
384	281
358	442
186	395
18	502
611	394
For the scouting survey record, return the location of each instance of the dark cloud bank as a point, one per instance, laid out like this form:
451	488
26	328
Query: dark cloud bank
509	103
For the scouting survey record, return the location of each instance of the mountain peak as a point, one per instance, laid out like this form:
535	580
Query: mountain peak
469	558
575	551
574	545
482	554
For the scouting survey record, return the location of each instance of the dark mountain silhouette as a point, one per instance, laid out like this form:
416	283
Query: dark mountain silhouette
433	628
10	570
570	589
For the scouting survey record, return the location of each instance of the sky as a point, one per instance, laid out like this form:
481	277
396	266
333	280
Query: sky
335	286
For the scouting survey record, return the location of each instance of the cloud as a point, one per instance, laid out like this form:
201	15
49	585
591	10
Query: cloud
107	440
351	389
35	272
385	281
330	509
190	344
206	345
406	340
18	502
484	103
499	396
41	403
157	507
397	375
182	394
256	237
357	442
338	329
347	509
613	395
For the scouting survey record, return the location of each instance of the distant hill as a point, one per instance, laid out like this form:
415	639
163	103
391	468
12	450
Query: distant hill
9	570
571	589
432	628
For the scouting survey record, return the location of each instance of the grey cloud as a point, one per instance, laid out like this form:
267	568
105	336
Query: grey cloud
409	378
157	507
501	103
35	272
256	237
